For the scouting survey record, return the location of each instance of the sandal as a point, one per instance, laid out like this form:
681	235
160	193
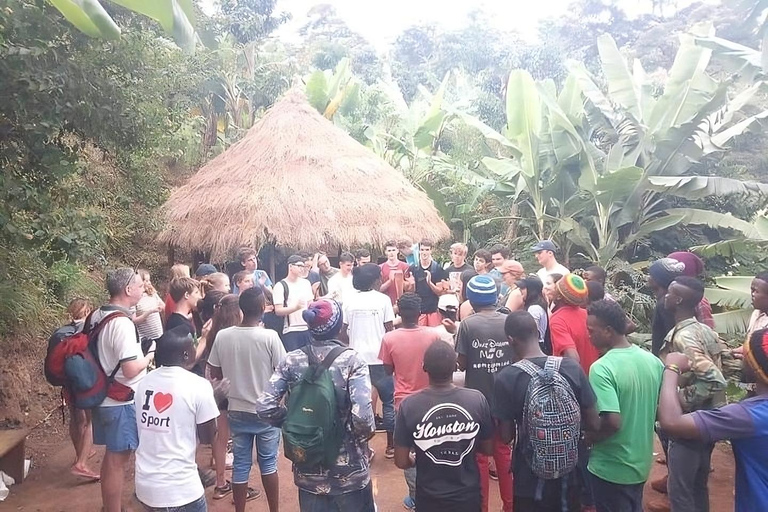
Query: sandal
223	491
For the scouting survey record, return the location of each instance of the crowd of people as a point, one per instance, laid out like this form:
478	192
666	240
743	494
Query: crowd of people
481	371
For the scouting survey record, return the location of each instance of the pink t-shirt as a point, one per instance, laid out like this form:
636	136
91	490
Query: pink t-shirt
385	271
404	350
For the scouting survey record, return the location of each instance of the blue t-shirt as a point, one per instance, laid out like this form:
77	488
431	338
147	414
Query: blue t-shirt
746	425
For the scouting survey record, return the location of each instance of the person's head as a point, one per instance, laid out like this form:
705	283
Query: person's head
125	285
511	271
571	290
208	304
481	292
149	289
595	291
251	303
606	323
323	318
694	266
532	290
440	362
481	260
176	348
243	280
180	270
662	272
218	281
362	256
365	277
78	309
203	270
458	254
409	306
185	289
499	254
295	267
545	252
465	277
308	261
323	263
595	274
248	258
683	295
756	357
346	262
759	292
522	332
405	246
425	251
549	286
391	250
227	313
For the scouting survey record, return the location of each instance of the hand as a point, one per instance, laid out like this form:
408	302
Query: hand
681	360
412	459
738	352
220	389
160	308
302	304
206	329
449	325
263	279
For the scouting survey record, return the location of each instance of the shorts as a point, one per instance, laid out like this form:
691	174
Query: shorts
245	428
115	427
199	505
430	319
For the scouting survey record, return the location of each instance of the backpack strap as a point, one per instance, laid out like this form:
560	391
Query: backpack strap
318	366
93	336
553	363
528	367
285	300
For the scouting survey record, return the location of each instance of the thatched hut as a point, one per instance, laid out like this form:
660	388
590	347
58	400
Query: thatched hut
296	180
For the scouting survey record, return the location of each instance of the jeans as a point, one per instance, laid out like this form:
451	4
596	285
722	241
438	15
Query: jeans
502	454
355	501
385	385
296	339
410	481
115	427
586	494
199	505
688	464
611	497
245	427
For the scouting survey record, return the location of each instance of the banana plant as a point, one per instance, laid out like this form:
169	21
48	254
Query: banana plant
177	17
733	294
331	91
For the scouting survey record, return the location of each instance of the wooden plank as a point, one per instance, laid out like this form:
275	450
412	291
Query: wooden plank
12	453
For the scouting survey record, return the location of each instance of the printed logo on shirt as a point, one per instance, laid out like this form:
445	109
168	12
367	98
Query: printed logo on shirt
161	403
491	355
446	434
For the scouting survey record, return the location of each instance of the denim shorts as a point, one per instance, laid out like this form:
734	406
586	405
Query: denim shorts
199	505
115	427
245	428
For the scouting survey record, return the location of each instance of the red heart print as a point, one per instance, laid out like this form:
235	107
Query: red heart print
162	401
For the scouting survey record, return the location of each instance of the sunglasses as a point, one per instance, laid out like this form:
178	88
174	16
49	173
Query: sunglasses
135	271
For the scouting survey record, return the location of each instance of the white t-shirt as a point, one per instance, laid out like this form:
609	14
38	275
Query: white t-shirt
365	314
340	287
558	269
247	357
297	291
170	403
117	343
152	326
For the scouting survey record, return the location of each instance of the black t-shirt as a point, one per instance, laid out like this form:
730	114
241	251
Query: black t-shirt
453	268
510	391
444	426
428	298
482	340
177	319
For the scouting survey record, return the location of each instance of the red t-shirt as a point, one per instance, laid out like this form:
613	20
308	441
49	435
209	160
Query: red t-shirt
404	350
385	270
170	306
568	329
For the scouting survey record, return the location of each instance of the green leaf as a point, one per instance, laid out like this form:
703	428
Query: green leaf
742	284
621	86
649	227
317	90
735	56
524	119
89	17
175	16
732	322
728	298
696	187
714	220
729	248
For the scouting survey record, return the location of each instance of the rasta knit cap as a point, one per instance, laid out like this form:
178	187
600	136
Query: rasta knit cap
756	354
572	289
665	270
323	318
481	291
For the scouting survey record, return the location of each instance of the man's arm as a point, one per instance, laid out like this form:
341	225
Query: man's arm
607	404
279	298
507	431
403	459
708	379
206	432
562	341
670	412
359	388
215	372
269	406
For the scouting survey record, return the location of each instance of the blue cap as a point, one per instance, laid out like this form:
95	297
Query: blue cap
544	245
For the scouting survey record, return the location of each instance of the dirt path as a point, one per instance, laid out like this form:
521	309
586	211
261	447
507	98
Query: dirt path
50	487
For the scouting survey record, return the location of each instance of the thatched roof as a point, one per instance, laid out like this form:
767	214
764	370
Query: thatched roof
297	180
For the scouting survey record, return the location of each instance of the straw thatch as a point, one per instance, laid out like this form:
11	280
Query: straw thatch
297	180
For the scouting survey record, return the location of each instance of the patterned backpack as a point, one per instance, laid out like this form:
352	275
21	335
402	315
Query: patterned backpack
551	424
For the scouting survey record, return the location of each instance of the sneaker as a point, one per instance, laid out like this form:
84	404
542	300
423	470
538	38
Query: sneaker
379	423
492	473
409	504
371	453
389	453
223	491
252	495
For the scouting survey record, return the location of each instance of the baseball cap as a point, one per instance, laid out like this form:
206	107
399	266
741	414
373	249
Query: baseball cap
205	269
544	245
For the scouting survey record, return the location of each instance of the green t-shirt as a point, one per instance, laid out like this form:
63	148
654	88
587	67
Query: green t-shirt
626	381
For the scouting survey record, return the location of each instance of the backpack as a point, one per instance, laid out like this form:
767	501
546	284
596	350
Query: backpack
313	431
272	320
551	420
72	362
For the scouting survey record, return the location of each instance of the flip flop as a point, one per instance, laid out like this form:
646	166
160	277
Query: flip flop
85	474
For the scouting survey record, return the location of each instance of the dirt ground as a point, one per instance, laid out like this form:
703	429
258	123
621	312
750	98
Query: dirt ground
50	487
